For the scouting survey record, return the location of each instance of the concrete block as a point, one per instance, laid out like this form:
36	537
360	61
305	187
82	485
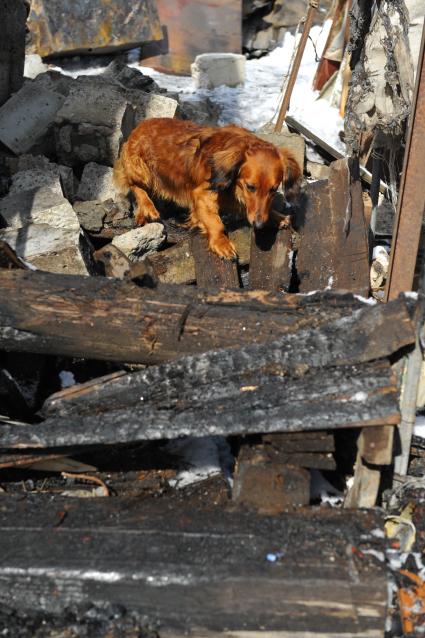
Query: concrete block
59	250
27	116
92	122
147	106
91	215
97	183
30	171
141	241
42	205
210	70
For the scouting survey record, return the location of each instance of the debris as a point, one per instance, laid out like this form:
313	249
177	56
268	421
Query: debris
56	250
140	241
210	70
402	528
379	267
91	215
96	183
34	65
26	117
42	205
98	26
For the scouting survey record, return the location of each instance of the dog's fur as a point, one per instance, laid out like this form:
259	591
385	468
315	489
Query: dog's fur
196	167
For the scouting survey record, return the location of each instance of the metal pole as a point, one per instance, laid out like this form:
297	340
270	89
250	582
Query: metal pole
296	66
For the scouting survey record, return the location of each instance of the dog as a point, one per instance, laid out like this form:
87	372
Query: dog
198	168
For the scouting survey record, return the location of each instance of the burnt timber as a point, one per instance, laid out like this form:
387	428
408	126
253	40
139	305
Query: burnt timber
198	572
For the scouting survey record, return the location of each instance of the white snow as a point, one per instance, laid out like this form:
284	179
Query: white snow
419	427
359	396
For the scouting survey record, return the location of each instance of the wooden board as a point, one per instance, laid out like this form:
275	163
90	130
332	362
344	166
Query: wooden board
333	251
270	263
197	573
193	27
99	318
210	270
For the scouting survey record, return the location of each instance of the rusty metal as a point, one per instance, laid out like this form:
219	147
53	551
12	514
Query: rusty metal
411	202
60	27
296	65
192	27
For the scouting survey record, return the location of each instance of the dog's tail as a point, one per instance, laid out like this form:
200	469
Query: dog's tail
121	180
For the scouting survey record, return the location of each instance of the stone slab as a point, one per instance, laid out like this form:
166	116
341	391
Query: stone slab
38	206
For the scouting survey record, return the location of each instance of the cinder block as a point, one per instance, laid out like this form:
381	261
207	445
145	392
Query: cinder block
141	241
27	116
210	70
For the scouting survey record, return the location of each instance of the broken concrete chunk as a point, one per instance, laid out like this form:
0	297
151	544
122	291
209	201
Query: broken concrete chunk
60	250
27	116
141	241
39	206
92	122
91	215
152	105
97	183
30	171
215	69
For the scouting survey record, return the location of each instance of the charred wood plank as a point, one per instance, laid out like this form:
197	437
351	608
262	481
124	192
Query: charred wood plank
210	270
346	396
270	267
99	318
347	341
153	559
333	219
305	442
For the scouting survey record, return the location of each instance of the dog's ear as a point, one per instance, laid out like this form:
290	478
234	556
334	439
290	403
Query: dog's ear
291	169
225	165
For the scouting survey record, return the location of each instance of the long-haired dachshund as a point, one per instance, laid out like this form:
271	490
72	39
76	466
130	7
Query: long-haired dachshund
197	167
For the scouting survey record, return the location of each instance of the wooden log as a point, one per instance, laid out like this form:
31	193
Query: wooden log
333	220
99	318
346	341
347	396
176	265
310	573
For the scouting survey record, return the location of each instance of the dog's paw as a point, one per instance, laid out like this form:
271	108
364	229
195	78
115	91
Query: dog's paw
151	214
139	218
223	247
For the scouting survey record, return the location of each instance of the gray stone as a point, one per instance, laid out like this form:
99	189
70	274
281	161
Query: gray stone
59	250
27	116
199	109
147	106
141	241
210	70
97	183
91	215
30	171
38	206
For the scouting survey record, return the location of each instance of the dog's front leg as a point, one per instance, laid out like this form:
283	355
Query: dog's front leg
146	210
204	215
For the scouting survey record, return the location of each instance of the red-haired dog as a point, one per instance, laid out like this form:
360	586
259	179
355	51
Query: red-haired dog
197	167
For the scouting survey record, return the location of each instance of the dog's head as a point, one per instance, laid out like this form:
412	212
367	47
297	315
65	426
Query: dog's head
256	173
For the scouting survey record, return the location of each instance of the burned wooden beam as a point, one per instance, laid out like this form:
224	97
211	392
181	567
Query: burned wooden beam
346	341
305	573
331	217
99	318
347	396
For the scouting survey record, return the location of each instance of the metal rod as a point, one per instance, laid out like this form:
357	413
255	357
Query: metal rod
296	66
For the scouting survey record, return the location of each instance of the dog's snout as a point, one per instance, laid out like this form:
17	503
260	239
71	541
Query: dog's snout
259	223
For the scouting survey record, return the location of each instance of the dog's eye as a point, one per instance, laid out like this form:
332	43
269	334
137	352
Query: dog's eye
250	187
274	189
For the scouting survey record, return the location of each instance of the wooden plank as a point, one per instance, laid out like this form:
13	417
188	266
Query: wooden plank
368	334
270	263
304	442
210	270
99	318
348	396
313	573
333	219
193	27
